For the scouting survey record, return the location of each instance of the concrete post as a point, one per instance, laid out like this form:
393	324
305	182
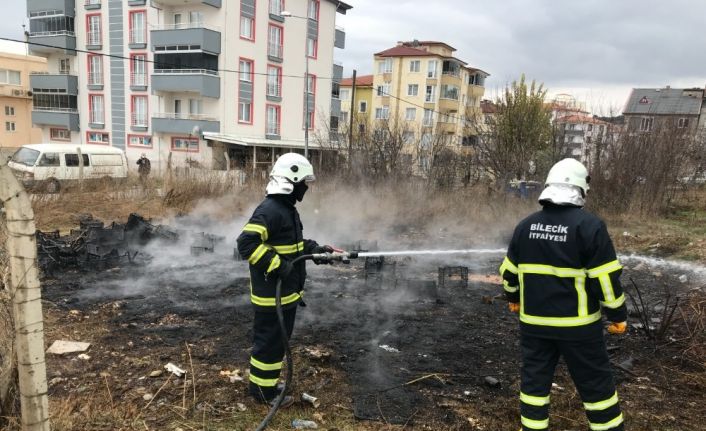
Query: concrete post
26	303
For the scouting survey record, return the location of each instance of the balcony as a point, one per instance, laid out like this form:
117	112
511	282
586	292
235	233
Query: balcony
207	39
340	38
51	7
335	107
61	117
45	81
205	82
184	124
337	71
48	42
92	4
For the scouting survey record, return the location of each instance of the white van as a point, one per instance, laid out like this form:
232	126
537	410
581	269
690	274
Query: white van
49	166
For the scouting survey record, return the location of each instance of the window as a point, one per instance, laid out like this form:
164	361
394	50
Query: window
246	70
10	111
273	120
195	106
190	145
344	117
95	108
139	111
138	70
93	27
432	69
412	90
683	123
195	19
384	89
408	137
428	118
363	106
415	65
95	69
430	95
276	7
10	126
141	141
138	29
274	81
101	138
312	47
646	124
314	9
590	127
64	66
50	159
245	112
311	84
385	66
72	160
12	77
310	107
449	92
247	28
382	113
56	134
344	94
410	114
274	41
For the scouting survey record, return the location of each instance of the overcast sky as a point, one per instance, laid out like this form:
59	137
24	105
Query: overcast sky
595	49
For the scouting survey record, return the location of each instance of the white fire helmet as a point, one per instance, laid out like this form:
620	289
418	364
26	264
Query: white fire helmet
294	167
570	172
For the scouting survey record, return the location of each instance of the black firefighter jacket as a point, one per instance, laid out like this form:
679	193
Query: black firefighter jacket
274	234
562	268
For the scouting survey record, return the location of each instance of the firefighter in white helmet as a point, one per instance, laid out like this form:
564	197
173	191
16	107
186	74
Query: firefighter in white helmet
560	273
270	241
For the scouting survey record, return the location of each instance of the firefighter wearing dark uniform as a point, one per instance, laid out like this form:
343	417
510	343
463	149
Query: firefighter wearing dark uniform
270	240
560	271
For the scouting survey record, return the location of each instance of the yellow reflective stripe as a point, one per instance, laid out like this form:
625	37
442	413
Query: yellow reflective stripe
607	287
257	254
602	405
508	288
614	303
289	249
508	265
532	268
559	321
580	285
604	269
270	302
534	400
534	424
270	383
265	367
257	228
274	264
608	425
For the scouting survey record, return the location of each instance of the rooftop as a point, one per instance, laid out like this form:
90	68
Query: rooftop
360	81
664	101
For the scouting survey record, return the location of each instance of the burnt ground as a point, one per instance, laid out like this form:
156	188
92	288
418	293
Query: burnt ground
379	350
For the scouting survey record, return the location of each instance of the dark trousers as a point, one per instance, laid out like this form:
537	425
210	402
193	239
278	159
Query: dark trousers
268	352
589	367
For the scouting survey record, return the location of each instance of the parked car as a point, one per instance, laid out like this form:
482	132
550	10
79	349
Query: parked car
49	167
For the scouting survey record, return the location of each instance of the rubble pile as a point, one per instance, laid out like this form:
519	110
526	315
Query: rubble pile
94	246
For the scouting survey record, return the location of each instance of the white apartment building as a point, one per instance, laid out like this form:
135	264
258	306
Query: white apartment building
205	83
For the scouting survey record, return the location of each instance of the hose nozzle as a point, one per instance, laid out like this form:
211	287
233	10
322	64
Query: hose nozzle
336	256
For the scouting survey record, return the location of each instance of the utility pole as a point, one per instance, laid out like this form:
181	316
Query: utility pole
353	115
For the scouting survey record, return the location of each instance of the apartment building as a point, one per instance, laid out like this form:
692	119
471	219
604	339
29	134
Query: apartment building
361	103
16	97
425	85
208	83
680	109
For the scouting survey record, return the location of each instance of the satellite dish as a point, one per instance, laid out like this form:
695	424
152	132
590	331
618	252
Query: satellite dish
196	131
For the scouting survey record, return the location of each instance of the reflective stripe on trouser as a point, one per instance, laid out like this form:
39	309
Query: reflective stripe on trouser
589	366
267	352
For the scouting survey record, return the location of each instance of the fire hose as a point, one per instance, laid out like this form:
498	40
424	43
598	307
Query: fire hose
336	256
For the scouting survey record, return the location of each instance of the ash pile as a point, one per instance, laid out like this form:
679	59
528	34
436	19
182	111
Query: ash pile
95	246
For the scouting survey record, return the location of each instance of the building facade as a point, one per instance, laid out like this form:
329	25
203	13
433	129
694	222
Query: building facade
205	83
16	67
358	105
650	109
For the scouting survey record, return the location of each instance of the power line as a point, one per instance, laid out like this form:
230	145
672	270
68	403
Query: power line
160	63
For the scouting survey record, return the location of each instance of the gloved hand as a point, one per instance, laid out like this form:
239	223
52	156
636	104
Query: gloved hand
514	307
617	327
320	249
284	270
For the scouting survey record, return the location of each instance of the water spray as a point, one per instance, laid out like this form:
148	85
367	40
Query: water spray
431	252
